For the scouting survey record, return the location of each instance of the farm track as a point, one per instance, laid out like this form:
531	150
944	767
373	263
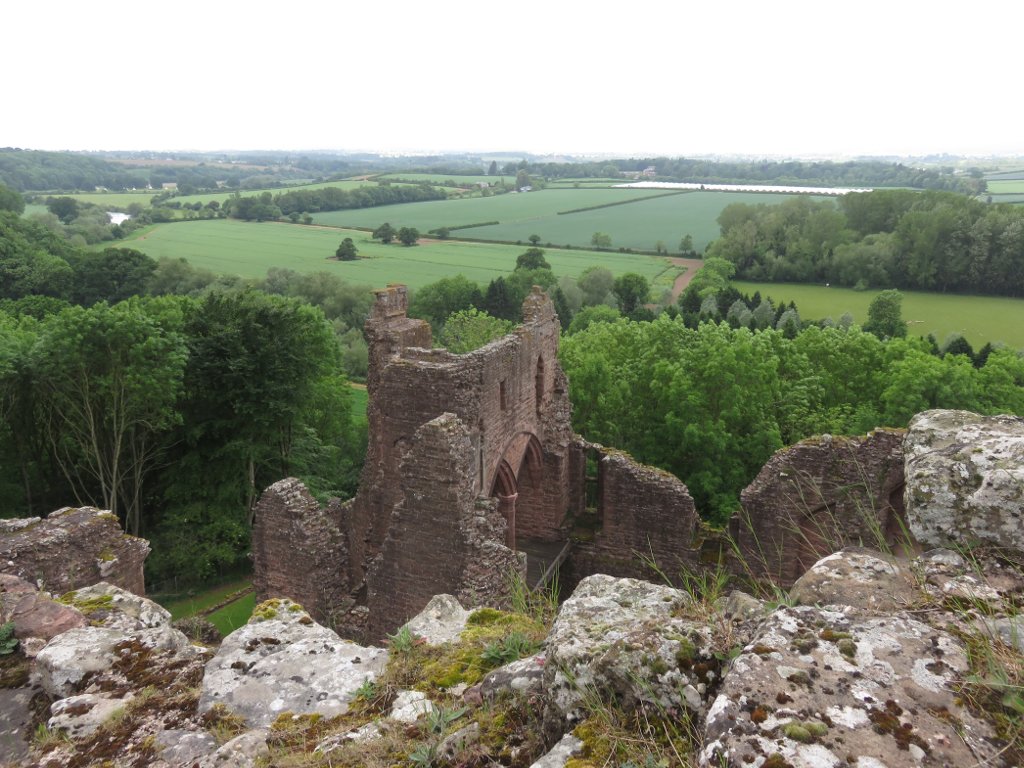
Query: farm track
691	266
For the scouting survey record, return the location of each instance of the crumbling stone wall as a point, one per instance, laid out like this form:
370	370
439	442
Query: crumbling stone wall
465	452
642	524
440	538
71	549
817	497
297	548
511	395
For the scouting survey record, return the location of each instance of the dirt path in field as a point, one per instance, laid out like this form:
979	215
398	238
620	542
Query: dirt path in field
691	265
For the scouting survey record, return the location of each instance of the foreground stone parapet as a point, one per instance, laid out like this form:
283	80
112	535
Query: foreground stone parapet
816	686
72	548
965	479
626	639
284	661
869	582
35	614
122	626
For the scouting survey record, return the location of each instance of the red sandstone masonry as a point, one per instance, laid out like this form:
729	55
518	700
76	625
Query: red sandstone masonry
818	496
297	550
71	549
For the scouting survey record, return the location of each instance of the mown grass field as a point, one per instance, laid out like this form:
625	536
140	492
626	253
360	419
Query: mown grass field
979	319
233	616
249	249
522	208
193	604
652	215
360	400
638	225
1005	186
224	194
440	178
111	199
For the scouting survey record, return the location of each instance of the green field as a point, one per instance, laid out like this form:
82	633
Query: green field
584	183
111	199
233	616
979	319
638	225
360	401
518	207
191	605
224	194
34	208
652	215
998	175
1011	199
249	249
1005	186
440	178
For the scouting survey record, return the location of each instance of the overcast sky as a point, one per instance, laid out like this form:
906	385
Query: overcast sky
672	77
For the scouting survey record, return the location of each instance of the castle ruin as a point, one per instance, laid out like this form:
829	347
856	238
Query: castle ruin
473	473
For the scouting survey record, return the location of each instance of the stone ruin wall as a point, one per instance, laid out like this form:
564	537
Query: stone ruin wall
71	549
468	452
817	496
297	547
446	434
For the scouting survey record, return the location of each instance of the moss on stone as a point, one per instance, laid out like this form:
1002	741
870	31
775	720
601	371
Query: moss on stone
87	605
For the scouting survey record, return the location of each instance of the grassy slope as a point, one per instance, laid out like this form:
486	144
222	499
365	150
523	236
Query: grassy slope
249	249
111	199
440	178
978	318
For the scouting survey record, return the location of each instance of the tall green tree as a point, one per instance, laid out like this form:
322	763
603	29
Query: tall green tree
347	250
255	363
385	233
436	301
11	200
109	380
532	258
631	290
885	315
408	235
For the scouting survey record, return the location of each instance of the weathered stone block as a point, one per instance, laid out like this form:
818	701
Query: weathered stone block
965	479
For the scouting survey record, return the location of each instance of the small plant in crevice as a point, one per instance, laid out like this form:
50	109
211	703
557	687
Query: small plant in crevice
403	641
511	647
8	642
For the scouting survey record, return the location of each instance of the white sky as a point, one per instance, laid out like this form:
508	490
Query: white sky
562	76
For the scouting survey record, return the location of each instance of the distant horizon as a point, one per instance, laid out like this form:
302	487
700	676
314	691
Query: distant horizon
572	156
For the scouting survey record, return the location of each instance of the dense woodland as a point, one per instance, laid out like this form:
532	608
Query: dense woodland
168	395
931	241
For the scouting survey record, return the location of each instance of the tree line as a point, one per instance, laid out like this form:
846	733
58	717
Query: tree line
269	206
930	241
860	173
